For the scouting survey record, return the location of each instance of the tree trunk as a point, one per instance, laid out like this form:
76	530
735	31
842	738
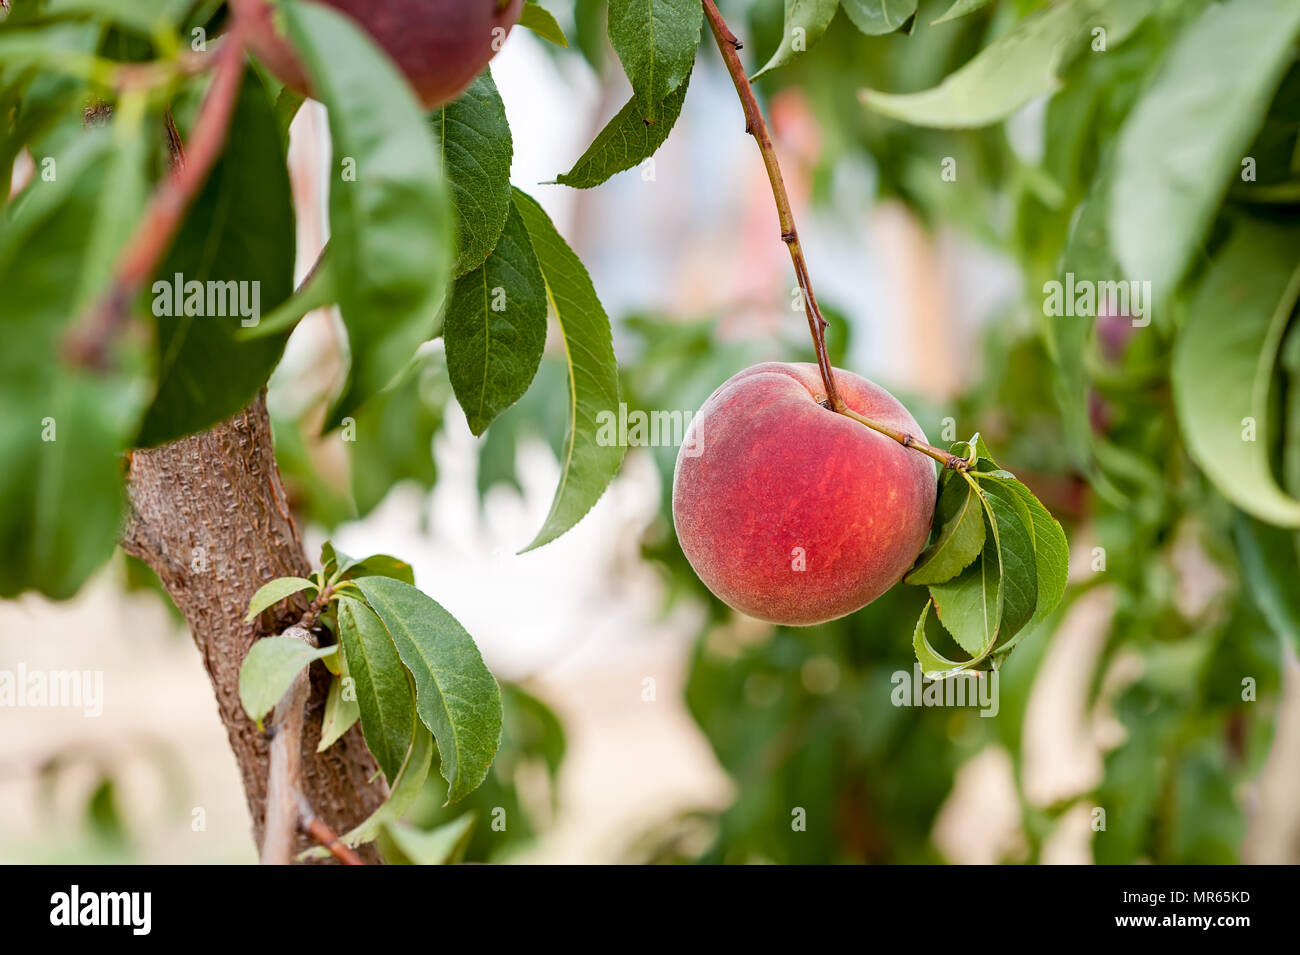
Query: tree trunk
209	515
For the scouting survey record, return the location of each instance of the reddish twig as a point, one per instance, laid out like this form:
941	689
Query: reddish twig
729	46
314	826
91	339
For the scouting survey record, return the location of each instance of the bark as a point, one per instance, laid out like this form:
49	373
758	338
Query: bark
209	515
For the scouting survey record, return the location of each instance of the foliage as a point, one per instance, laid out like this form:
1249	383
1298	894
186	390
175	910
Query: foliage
1166	153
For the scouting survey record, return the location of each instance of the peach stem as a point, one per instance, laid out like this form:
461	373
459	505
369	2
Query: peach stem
729	46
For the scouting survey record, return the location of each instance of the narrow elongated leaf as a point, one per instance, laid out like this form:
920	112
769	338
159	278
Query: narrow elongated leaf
341	711
1224	362
317	291
403	791
381	565
970	605
961	535
391	231
62	433
961	8
805	22
1016	550
541	21
395	431
456	695
1051	555
656	42
1270	559
495	329
877	17
1186	135
627	140
1015	68
474	138
269	669
142	16
273	592
385	697
444	845
232	259
933	664
586	466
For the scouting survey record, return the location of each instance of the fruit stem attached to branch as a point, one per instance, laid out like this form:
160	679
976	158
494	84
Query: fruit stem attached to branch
729	46
91	339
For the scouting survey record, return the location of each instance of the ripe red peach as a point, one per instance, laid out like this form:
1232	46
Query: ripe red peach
795	514
440	45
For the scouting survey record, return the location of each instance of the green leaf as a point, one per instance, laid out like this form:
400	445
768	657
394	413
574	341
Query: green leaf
586	467
332	559
381	565
1015	541
474	138
626	141
1017	67
269	669
1051	554
237	242
542	22
317	291
456	695
142	16
391	232
933	664
62	433
495	328
1224	362
341	711
961	8
273	592
1182	141
878	17
960	517
385	697
805	22
1270	564
656	42
444	845
970	605
995	597
395	430
403	791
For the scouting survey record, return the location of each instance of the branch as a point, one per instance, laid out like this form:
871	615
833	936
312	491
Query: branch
90	340
282	781
729	46
315	827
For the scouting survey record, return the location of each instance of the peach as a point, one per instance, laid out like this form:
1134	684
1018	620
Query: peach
795	514
440	45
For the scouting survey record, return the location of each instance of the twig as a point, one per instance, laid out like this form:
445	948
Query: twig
282	795
729	46
314	826
91	339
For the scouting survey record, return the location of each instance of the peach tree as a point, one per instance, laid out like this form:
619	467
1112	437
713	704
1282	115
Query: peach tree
148	261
